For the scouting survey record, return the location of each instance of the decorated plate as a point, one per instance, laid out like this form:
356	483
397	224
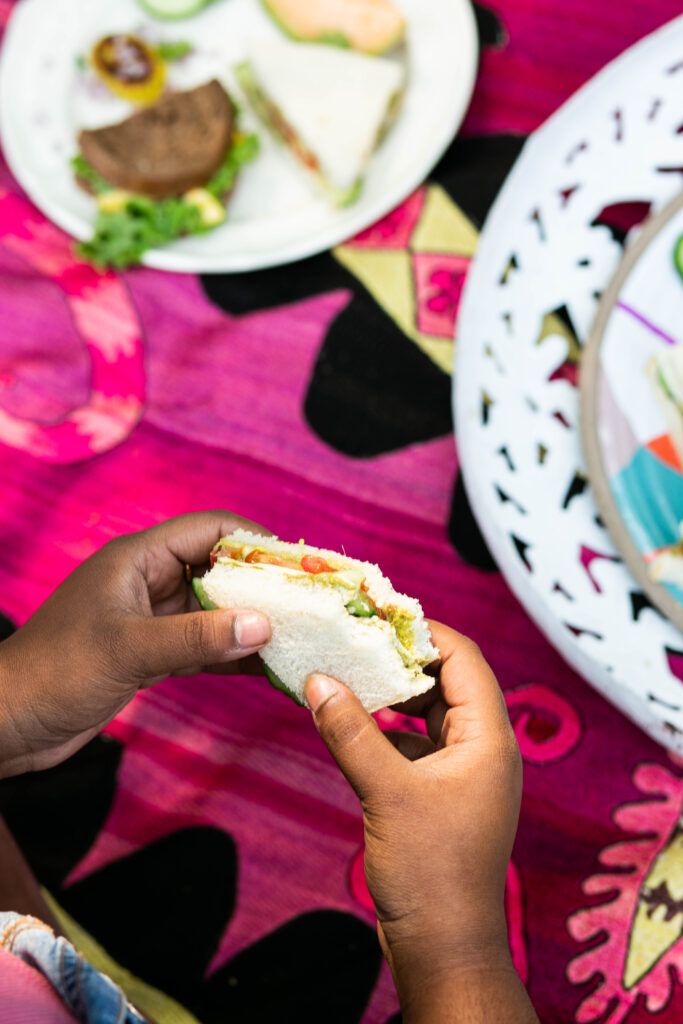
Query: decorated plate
631	416
583	184
275	215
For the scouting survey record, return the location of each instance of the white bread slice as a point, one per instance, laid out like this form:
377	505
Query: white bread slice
314	632
336	101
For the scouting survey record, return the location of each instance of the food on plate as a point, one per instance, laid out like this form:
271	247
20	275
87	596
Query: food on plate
173	8
165	171
678	255
132	68
372	26
665	371
164	150
170	50
329	613
667	566
129	67
330	107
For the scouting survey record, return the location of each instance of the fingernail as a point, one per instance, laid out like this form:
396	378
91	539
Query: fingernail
318	689
251	630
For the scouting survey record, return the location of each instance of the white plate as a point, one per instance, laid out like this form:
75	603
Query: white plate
275	215
617	140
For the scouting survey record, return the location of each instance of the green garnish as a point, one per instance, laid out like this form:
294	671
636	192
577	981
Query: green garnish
83	170
241	152
678	255
361	607
664	385
122	236
81	62
173	51
275	681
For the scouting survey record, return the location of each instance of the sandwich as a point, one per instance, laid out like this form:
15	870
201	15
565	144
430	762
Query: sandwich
165	171
330	107
371	26
329	613
665	371
667	565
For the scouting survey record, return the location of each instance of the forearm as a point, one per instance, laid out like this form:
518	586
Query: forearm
469	996
19	707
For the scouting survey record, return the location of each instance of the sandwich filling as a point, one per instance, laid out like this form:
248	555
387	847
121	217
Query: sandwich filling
667	369
315	570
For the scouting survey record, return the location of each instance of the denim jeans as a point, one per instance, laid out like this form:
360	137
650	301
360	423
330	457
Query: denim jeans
87	993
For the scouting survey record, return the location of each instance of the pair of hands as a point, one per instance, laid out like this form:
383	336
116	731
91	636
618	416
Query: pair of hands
440	812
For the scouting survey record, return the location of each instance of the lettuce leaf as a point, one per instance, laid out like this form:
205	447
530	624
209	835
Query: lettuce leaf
82	169
123	236
173	51
242	151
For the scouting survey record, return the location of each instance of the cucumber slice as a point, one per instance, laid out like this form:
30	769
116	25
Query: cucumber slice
204	600
361	607
279	685
678	255
169	9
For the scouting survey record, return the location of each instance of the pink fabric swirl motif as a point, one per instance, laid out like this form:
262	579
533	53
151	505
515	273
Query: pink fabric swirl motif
105	318
546	725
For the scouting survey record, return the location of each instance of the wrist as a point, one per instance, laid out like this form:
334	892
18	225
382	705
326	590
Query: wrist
469	993
431	943
438	970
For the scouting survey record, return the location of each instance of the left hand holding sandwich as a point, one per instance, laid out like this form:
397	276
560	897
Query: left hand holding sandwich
122	621
440	815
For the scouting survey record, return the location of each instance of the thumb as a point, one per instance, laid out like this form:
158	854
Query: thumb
364	754
170	643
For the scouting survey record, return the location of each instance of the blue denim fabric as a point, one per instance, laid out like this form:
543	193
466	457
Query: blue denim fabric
87	993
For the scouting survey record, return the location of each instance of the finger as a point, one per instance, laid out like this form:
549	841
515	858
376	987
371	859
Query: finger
430	706
167	645
363	753
419	707
468	688
435	718
411	745
249	666
191	537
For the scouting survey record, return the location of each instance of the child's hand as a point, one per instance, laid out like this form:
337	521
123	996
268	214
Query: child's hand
440	817
122	621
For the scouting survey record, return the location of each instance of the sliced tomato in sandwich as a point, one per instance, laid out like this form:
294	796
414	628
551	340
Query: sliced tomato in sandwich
314	564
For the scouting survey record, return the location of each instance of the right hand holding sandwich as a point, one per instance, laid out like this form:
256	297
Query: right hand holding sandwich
440	815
